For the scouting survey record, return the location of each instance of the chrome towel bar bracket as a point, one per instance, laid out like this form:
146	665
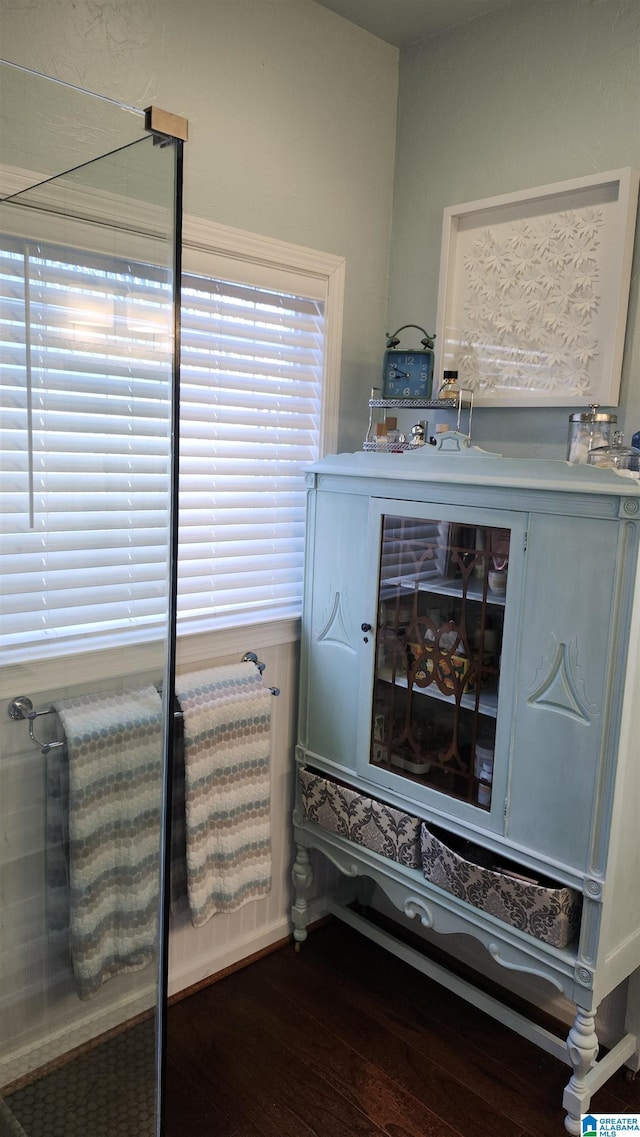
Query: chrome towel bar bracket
22	708
251	657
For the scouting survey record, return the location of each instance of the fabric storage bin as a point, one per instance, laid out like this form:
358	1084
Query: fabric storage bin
548	912
361	819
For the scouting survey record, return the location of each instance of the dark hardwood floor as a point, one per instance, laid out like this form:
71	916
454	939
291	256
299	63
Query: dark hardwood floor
343	1040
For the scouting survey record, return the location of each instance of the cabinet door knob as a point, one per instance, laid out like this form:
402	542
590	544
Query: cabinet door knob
366	627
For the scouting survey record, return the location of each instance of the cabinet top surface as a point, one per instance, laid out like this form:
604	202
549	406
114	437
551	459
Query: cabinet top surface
471	464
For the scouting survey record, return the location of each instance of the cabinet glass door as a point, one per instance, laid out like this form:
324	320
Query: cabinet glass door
441	614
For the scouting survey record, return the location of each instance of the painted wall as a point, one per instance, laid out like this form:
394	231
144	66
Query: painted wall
527	96
292	125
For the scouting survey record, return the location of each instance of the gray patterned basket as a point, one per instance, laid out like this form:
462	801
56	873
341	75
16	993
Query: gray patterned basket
551	914
338	809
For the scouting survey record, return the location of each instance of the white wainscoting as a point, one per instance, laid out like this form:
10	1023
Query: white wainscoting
41	1016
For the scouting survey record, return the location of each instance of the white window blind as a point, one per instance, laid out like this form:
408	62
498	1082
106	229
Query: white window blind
84	438
251	387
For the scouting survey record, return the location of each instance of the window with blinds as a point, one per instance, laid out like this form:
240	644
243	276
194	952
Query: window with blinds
85	450
250	401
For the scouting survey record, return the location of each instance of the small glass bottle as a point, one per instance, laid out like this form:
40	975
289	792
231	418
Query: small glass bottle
449	388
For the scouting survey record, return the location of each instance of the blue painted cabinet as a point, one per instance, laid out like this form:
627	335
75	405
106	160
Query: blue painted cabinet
470	681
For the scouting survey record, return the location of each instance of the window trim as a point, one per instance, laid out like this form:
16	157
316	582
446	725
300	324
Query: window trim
328	271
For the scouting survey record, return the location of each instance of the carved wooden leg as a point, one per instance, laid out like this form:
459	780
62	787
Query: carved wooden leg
302	875
582	1045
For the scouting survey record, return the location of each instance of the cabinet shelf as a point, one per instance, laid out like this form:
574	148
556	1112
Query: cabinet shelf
487	703
417	404
392	447
441	586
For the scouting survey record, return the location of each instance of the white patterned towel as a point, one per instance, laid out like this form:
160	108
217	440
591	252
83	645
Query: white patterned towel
115	751
227	722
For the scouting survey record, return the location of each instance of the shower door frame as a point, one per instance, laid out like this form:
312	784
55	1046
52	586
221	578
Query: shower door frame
167	130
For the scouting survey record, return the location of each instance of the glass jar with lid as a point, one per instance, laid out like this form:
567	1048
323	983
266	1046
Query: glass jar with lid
587	430
617	456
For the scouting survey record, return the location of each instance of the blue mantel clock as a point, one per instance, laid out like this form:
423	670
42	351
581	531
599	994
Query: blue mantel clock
408	374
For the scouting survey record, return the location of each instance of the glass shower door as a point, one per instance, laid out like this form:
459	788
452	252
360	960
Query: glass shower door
88	293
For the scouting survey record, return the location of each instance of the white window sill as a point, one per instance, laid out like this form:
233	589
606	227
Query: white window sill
89	669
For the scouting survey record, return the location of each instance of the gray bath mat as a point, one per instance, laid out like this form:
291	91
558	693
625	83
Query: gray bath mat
107	1092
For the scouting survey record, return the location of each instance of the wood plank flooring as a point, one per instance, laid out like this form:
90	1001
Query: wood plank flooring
343	1040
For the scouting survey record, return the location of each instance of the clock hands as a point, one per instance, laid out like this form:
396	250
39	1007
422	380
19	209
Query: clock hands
397	371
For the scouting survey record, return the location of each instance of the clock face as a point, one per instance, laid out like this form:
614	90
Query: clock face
407	375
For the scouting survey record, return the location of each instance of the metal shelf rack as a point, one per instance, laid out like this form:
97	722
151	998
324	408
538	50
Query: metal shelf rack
464	401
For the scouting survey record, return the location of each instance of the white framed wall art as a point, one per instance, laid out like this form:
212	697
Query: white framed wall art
534	289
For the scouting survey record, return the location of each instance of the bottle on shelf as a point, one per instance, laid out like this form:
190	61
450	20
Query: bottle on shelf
485	782
449	388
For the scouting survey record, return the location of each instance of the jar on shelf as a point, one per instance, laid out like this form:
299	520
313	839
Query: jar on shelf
587	430
484	760
497	580
617	456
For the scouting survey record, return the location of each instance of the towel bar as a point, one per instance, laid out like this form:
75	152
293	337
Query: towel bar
22	708
251	657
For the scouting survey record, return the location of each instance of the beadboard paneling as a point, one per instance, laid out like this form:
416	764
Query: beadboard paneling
41	1016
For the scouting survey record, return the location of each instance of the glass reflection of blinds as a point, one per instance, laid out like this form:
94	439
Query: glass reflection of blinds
251	379
84	433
